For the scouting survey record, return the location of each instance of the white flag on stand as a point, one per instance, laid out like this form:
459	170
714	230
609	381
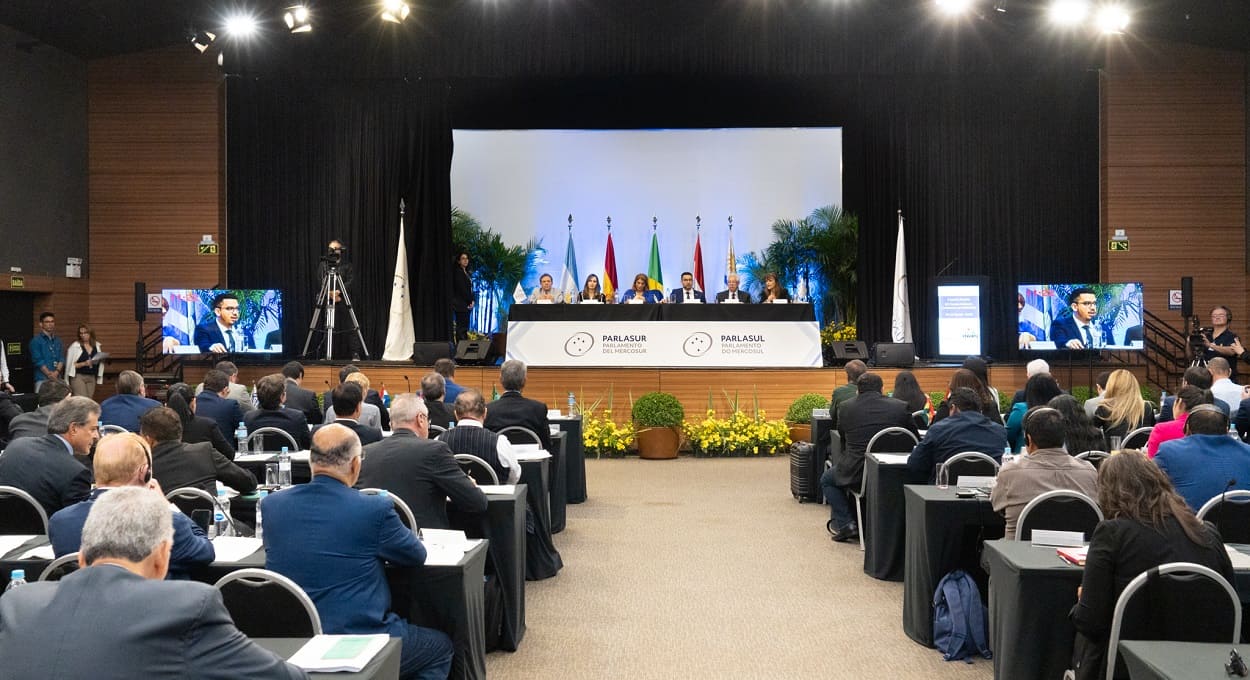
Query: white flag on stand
4	364
400	335
900	320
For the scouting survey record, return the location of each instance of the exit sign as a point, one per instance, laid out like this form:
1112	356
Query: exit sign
17	282
1117	246
208	248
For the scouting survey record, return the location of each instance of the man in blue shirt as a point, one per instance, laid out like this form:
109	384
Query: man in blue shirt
127	406
332	541
966	429
1206	461
46	351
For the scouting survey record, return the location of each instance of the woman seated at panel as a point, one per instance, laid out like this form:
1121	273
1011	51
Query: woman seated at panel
1080	435
1038	391
1147	524
773	290
966	378
544	293
591	291
640	294
1122	409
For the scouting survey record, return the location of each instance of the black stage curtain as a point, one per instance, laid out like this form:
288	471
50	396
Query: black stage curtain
311	160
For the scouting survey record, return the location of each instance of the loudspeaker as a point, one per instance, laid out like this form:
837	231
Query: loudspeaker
426	353
895	354
1187	296
141	301
472	352
846	351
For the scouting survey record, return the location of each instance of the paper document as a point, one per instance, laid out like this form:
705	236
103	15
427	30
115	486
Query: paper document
532	455
504	489
444	547
1075	556
891	458
1237	554
234	548
41	552
253	457
338	653
11	542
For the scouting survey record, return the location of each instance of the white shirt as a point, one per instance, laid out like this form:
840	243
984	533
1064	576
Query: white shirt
1228	392
227	334
503	449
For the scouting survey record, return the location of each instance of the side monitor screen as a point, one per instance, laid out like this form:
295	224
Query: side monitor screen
234	321
1077	316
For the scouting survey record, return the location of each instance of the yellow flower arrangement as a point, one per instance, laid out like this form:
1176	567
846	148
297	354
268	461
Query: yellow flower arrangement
602	435
838	332
737	435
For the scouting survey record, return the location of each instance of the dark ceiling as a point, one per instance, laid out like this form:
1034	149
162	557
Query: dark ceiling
101	28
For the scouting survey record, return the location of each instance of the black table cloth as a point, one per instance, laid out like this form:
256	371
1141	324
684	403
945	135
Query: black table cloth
504	525
542	560
944	533
884	518
584	313
1152	660
384	666
558	471
574	459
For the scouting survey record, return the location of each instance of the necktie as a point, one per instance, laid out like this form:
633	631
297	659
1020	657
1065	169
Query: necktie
1089	341
687	295
230	340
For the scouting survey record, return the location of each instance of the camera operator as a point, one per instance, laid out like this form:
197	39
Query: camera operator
333	258
1217	341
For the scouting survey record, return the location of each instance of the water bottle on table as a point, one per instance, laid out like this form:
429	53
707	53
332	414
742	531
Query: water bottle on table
572	404
284	468
240	435
17	577
221	525
260	500
223	507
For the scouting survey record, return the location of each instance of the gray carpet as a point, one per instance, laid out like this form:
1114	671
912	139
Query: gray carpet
710	569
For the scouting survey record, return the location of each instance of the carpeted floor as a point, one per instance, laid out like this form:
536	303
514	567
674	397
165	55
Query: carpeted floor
710	569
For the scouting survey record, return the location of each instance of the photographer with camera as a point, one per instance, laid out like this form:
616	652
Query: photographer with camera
333	260
1217	340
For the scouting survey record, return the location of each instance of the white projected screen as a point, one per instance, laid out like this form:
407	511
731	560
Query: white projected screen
525	183
959	320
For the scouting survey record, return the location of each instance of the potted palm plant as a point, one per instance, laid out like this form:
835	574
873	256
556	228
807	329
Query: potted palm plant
658	417
799	415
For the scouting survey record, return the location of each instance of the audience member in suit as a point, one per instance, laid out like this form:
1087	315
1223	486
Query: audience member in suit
341	570
1198	376
773	290
346	399
214	404
124	460
298	398
965	429
177	464
117	617
687	292
447	369
844	393
45	467
733	293
513	409
432	390
470	436
222	334
1187	399
372	398
1206	462
8	411
271	391
125	407
1147	524
35	423
421	471
196	429
1100	386
1044	467
1031	369
236	391
858	420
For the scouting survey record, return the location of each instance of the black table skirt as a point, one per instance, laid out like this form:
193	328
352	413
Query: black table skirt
1154	660
885	523
584	313
504	525
944	533
558	472
574	459
542	560
665	312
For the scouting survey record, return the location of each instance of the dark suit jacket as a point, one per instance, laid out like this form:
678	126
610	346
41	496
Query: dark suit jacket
678	296
176	465
423	473
73	628
44	468
461	288
304	401
513	409
288	420
743	296
367	434
208	334
440	413
33	424
125	410
225	412
858	420
202	429
1064	329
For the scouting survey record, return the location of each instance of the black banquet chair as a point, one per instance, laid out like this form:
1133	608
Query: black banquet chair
520	435
1136	439
478	469
1230	513
20	513
60	567
968	464
1059	510
1094	456
265	603
889	440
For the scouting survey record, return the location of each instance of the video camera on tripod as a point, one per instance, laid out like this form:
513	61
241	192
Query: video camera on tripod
333	257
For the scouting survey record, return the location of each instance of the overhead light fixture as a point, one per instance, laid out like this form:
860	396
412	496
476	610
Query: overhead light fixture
201	40
1068	12
241	25
395	11
297	19
1000	6
954	7
1112	19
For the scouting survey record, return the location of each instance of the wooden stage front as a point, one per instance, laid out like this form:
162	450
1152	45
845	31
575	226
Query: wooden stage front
775	388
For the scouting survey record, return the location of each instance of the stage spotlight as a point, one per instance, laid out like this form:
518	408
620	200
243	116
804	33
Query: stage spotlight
1068	12
202	40
954	6
241	25
297	19
395	11
1112	19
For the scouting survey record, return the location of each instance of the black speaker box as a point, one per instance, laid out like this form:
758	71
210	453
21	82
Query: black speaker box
895	354
846	351
426	353
141	301
1187	296
472	352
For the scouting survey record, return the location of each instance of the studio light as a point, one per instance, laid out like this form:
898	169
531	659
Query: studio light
241	25
202	40
395	11
1112	19
297	19
954	7
1068	12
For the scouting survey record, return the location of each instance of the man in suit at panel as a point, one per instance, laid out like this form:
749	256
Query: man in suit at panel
421	471
733	294
271	391
116	617
222	334
125	407
1078	331
35	423
341	568
511	408
235	390
214	403
687	292
176	464
470	436
44	467
858	420
432	390
298	398
346	399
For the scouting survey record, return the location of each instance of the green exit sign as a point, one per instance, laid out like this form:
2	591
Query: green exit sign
208	248
1117	246
13	347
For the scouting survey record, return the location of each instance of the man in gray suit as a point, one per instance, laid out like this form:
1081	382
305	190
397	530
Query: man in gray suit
45	467
35	423
116	618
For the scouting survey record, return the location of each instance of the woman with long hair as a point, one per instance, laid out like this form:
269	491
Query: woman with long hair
639	293
907	390
1080	435
1147	524
195	429
1122	409
84	363
1038	391
591	290
966	378
773	290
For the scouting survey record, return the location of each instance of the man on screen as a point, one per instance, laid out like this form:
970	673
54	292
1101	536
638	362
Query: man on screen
687	292
1078	330
733	294
222	334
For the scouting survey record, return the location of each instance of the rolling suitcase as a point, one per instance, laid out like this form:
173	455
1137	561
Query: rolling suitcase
804	484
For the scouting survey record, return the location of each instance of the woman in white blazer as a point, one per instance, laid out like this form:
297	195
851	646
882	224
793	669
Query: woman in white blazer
84	363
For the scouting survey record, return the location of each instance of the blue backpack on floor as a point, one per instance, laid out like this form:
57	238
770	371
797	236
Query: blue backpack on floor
959	618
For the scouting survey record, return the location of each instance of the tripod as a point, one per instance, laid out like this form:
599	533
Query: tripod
325	300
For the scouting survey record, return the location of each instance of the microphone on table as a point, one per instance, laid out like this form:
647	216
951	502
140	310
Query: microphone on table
409	384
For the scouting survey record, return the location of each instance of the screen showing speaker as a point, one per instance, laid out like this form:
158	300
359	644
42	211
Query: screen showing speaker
221	321
1077	316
